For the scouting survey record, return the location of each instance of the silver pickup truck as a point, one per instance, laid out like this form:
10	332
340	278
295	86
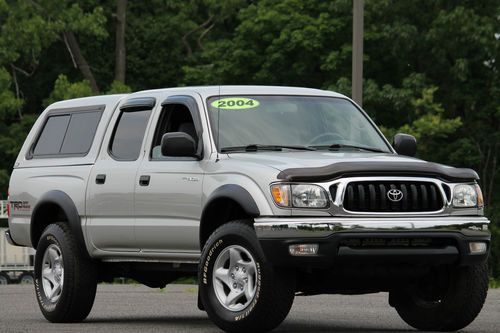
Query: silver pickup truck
263	193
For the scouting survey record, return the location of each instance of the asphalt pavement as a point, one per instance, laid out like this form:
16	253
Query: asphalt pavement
135	308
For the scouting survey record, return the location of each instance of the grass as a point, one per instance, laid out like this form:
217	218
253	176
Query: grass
494	283
186	280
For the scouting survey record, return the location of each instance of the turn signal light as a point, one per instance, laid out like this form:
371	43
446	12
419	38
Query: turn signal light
480	199
281	194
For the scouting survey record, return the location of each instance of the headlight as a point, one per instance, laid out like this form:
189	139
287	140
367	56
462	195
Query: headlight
309	196
299	196
467	196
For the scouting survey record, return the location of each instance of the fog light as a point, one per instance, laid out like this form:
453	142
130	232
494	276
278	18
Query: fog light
303	249
477	247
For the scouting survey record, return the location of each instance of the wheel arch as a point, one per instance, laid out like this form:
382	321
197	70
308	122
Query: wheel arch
237	202
56	206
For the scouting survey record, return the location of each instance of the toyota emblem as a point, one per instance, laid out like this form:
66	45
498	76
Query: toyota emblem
395	195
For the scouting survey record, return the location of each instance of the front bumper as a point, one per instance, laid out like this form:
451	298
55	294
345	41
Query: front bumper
427	240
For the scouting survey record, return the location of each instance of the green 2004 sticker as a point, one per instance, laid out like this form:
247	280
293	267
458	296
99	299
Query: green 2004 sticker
235	103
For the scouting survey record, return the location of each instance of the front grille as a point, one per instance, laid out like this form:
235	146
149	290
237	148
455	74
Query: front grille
411	196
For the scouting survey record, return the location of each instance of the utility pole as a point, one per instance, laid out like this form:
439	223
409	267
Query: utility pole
357	51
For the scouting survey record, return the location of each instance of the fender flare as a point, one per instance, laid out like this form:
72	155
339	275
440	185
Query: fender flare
238	194
233	192
67	205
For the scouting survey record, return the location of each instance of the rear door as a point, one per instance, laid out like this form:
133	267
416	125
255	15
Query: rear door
110	201
168	190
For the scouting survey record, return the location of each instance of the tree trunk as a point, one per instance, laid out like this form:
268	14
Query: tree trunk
185	37
120	52
79	59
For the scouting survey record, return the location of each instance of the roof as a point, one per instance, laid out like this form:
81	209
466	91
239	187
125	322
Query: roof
204	91
86	101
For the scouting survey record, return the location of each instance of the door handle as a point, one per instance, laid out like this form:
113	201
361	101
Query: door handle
100	179
144	180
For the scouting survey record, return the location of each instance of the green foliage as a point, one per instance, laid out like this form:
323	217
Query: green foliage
287	42
494	283
63	89
430	128
118	87
30	27
11	140
4	177
9	103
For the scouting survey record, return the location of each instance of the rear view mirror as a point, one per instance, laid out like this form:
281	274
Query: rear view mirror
178	144
405	144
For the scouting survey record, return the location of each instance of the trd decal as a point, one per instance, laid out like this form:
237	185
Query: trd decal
20	205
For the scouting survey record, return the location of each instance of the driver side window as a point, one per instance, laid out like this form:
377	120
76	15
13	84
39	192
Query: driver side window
173	118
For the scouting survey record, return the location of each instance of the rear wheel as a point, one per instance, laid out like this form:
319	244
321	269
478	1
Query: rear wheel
4	279
65	278
447	301
239	289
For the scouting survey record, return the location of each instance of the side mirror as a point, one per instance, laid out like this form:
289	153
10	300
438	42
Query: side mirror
405	144
178	144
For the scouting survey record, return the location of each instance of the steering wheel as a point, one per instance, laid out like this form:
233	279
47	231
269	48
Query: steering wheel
332	135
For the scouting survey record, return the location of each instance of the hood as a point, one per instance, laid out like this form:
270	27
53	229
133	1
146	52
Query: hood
309	159
317	166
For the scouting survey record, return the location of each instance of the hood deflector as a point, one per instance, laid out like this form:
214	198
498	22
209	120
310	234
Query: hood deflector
350	169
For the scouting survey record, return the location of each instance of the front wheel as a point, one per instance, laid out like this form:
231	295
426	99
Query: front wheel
65	278
239	289
448	300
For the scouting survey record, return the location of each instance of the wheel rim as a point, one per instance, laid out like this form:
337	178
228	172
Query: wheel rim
52	273
234	278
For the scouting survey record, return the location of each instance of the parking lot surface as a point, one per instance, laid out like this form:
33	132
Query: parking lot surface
135	308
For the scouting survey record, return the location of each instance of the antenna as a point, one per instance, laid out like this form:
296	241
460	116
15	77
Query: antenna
218	129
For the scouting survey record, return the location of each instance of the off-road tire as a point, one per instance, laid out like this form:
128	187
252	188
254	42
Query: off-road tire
79	281
275	287
462	301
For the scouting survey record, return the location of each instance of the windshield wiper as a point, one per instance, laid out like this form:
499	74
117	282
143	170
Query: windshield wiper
337	146
256	147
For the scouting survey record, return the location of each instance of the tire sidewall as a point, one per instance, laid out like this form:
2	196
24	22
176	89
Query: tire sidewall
207	292
51	235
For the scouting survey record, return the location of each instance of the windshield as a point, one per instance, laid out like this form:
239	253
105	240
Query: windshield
307	121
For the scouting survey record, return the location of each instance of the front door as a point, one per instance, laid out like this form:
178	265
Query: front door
168	190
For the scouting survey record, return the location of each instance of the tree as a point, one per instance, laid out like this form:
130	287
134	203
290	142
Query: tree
120	63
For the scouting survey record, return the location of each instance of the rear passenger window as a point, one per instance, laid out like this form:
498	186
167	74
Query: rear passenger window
128	135
67	134
80	133
52	136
